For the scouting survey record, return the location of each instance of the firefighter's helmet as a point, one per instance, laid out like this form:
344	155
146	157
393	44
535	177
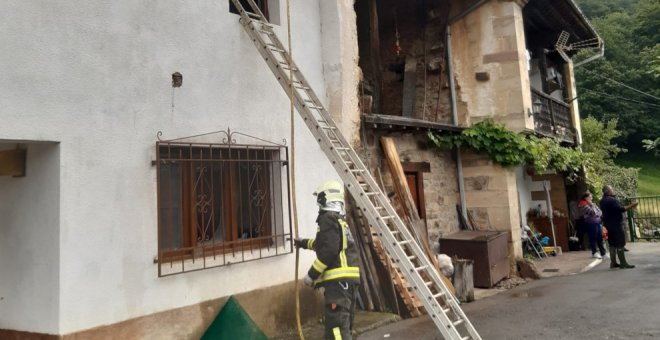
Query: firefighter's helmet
331	191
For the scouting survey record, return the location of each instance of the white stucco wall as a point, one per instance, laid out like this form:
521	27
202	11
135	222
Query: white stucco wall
340	65
29	247
96	76
523	182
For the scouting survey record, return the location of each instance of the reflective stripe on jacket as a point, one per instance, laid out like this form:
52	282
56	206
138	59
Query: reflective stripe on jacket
336	255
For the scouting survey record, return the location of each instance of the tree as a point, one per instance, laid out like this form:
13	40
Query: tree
600	169
600	8
652	145
631	31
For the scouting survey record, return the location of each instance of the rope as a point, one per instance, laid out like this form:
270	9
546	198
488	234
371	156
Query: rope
293	171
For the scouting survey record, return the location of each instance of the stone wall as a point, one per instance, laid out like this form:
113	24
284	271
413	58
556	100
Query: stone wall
421	27
492	198
440	185
491	41
490	64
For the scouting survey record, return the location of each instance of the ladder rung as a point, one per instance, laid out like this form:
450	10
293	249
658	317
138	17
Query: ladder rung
285	66
439	295
300	87
266	32
372	193
405	242
458	322
446	310
275	49
356	170
428	283
419	269
411	257
253	15
387	218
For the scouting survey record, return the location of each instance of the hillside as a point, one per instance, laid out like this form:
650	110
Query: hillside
649	173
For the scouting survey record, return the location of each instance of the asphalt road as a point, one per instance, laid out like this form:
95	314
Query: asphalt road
601	303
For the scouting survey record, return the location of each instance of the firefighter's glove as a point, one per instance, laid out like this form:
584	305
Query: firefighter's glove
308	281
298	242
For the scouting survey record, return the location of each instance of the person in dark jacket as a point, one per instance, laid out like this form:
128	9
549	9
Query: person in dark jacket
336	266
591	219
613	221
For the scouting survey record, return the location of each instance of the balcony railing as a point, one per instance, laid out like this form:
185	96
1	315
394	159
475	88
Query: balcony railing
554	118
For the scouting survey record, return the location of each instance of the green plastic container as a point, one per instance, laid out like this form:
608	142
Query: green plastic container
233	323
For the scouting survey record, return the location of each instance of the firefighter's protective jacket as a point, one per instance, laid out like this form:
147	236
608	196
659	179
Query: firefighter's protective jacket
336	254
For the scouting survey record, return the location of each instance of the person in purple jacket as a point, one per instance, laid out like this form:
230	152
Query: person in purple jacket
591	218
613	221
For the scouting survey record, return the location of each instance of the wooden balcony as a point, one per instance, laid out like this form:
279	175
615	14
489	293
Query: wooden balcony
554	118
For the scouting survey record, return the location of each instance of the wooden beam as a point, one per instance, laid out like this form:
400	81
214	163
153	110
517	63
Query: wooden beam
416	166
398	177
376	63
13	162
409	87
417	227
401	123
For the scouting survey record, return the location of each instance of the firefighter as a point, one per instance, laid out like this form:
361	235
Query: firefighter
336	266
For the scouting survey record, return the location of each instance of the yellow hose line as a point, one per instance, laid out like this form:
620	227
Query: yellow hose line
293	171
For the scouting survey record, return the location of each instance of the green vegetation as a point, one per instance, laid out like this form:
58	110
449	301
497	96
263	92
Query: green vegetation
600	8
631	31
653	146
507	148
597	139
649	173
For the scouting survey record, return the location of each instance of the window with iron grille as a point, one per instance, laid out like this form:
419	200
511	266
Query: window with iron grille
221	203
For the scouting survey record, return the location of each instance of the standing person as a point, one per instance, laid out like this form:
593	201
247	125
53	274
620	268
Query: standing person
591	220
613	220
336	266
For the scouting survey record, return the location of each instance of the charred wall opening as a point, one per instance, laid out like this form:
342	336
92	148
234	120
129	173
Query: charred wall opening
403	58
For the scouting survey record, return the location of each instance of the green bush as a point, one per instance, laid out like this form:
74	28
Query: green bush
507	148
623	180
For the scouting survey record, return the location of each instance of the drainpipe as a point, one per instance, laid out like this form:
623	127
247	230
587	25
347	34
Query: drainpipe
452	91
454	118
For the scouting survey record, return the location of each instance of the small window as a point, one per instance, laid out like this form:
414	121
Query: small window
262	4
220	204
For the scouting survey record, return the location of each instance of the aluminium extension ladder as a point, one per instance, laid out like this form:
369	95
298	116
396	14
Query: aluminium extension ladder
438	301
